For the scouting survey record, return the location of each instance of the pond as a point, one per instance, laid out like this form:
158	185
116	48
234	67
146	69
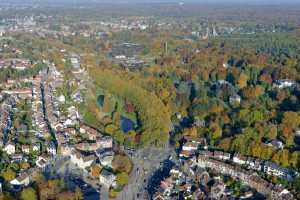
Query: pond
126	125
100	100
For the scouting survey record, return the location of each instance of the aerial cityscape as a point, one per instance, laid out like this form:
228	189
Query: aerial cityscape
138	100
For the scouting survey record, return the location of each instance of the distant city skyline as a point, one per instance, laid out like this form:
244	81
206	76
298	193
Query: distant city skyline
158	1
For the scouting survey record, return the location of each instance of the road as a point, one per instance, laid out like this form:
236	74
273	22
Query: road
146	162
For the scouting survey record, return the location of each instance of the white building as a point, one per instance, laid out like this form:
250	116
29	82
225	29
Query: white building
10	148
36	148
275	170
105	157
51	149
239	159
107	178
105	142
66	150
284	83
21	180
25	149
41	161
190	146
82	161
234	99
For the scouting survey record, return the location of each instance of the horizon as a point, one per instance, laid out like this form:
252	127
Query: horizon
206	2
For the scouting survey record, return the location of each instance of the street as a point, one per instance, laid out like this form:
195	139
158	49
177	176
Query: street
146	162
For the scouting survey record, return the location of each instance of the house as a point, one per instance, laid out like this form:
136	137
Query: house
284	83
10	148
158	196
206	154
107	178
51	149
218	190
36	147
87	146
225	65
105	142
287	195
197	140
69	131
199	194
254	164
235	99
81	160
239	159
66	150
22	180
166	186
175	172
41	161
61	99
277	144
105	156
221	155
18	158
26	149
77	97
275	170
1	142
185	154
190	146
226	156
247	195
199	122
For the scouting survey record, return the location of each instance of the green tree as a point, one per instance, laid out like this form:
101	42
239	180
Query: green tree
122	178
28	194
8	175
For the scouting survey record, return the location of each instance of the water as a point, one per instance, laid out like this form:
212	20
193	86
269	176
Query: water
126	125
100	100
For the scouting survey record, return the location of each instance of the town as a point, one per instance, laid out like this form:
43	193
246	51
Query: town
164	100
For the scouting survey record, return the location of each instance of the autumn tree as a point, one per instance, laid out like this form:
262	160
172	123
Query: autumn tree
28	194
242	81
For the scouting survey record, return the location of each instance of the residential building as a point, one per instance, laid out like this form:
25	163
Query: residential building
107	178
239	159
41	161
10	148
21	180
275	170
81	160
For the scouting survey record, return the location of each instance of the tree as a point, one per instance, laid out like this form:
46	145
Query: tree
243	80
25	165
122	163
122	178
291	119
8	175
214	132
78	194
28	194
252	92
95	171
66	195
272	132
5	196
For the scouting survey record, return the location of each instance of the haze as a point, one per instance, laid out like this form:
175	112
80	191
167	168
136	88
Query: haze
156	1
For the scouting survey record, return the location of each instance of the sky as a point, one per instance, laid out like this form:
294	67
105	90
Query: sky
164	1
